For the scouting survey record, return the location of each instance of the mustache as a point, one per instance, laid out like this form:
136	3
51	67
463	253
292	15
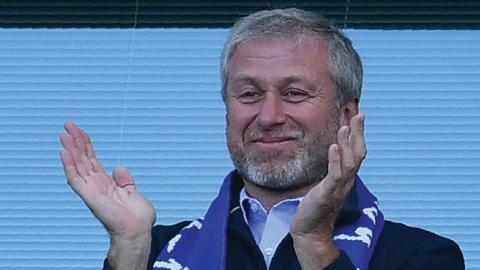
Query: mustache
256	135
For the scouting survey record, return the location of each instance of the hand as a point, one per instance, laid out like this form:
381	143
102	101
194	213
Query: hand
124	212
313	225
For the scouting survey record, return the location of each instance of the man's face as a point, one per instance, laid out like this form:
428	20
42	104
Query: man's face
281	114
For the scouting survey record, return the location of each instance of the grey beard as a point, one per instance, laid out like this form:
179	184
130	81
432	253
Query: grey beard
304	169
306	166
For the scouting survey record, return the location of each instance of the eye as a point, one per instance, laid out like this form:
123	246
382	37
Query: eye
295	95
249	96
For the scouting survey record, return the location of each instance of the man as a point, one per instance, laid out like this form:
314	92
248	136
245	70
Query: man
291	86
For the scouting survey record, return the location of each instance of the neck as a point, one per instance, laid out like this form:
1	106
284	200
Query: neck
269	198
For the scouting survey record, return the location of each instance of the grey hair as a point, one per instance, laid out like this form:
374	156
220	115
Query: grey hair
344	67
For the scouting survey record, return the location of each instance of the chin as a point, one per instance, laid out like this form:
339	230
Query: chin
275	176
272	159
280	185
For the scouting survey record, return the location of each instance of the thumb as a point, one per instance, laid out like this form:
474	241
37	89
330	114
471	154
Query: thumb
123	178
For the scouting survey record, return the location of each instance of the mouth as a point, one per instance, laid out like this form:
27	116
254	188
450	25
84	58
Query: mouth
273	141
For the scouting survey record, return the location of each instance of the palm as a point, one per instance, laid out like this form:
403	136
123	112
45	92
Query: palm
317	210
122	210
113	200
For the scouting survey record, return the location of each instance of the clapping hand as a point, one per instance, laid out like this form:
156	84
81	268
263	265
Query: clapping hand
313	224
126	214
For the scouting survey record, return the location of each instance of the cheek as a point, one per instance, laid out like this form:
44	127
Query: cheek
239	119
312	118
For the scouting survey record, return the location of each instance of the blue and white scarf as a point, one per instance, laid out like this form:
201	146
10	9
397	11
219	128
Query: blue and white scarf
203	243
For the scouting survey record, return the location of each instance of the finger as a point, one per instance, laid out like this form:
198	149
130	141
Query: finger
67	159
73	130
67	142
77	135
70	146
330	182
98	167
124	179
90	151
357	137
73	179
88	144
347	158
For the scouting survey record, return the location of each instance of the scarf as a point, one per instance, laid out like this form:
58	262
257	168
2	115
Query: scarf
202	244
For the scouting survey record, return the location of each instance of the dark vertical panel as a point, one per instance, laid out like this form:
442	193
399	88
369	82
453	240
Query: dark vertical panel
449	14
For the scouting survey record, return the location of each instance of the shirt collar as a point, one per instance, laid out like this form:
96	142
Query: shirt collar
247	203
349	213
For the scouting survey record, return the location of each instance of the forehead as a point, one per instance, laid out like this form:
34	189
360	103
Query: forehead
270	46
271	58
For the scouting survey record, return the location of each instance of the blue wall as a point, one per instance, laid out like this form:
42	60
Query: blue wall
150	99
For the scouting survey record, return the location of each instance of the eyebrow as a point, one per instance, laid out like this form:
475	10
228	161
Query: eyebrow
286	80
283	82
297	79
245	78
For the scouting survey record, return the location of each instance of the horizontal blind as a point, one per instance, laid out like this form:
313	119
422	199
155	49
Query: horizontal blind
154	107
421	97
150	99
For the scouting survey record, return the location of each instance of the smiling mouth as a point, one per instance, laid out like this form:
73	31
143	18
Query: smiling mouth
272	141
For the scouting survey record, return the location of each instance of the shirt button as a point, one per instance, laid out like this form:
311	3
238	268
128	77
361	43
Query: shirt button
254	207
269	251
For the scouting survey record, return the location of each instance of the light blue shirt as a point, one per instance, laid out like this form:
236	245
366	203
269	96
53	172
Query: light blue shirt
268	228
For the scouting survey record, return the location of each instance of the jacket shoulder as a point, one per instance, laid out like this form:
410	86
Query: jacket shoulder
161	234
404	247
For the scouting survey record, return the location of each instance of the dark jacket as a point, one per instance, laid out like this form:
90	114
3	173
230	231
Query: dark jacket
399	247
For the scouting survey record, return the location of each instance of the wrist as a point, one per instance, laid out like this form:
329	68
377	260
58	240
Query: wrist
131	253
314	253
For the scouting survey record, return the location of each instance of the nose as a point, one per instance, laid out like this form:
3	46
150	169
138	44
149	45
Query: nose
271	112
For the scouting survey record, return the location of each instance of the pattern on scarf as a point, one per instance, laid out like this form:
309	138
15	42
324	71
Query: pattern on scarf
173	242
202	243
196	224
170	265
372	213
363	234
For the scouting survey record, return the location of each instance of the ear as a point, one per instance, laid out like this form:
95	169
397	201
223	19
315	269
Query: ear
349	110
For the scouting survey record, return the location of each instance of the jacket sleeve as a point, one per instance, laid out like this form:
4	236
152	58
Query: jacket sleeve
160	236
342	262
